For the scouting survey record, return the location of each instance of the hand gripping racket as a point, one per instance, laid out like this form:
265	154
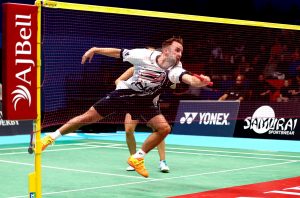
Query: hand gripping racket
203	79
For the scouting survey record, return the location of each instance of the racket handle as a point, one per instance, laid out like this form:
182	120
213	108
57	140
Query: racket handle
202	79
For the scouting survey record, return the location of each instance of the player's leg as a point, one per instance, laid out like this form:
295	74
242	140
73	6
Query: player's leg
162	157
162	129
130	126
113	99
162	150
89	117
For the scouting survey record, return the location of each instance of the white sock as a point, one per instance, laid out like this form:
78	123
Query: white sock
139	154
56	134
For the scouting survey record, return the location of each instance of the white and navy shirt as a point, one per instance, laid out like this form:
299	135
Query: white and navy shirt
148	76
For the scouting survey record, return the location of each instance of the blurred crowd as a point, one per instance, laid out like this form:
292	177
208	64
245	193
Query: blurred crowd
266	71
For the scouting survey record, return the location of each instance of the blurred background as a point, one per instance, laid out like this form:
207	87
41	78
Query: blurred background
278	11
248	56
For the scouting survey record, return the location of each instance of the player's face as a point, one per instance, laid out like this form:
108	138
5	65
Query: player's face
239	80
174	53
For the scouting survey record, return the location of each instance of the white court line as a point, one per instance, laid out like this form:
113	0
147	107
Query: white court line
161	179
234	152
216	151
233	156
125	148
57	145
168	148
71	169
13	153
13	148
207	154
80	148
67	149
189	153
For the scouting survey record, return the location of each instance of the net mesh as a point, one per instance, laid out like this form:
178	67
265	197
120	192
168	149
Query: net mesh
221	51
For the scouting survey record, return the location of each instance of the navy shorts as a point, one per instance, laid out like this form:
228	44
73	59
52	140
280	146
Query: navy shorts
124	101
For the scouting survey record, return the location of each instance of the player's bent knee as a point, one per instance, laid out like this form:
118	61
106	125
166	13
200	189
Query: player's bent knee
164	129
129	131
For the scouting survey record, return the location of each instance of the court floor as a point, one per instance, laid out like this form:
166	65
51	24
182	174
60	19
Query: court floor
93	165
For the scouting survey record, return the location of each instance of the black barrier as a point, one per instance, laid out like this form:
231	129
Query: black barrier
14	127
208	118
269	121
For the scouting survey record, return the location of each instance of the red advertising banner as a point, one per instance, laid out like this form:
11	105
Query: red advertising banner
284	188
19	61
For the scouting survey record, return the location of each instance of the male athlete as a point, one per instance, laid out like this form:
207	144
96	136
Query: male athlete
152	69
130	126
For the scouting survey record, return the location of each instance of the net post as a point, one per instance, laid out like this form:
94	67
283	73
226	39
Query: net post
35	178
32	184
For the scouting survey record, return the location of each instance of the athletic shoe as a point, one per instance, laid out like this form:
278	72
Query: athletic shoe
129	168
46	141
138	165
163	166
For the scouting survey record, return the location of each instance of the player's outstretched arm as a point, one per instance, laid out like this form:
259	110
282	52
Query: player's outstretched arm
126	75
223	97
195	81
111	52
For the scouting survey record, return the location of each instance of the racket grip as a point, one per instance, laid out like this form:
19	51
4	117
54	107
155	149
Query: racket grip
202	79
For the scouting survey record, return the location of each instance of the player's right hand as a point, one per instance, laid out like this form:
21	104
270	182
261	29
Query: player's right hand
205	80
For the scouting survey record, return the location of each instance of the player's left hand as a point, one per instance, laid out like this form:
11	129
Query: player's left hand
88	55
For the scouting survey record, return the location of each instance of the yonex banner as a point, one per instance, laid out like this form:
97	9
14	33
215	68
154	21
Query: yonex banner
271	121
208	118
19	61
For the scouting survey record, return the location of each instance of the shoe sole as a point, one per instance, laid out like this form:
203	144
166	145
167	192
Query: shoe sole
130	169
164	171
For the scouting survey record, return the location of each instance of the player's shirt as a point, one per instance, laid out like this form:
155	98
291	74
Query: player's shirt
148	77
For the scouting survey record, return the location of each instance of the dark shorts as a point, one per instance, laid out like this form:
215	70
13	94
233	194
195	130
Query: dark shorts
123	101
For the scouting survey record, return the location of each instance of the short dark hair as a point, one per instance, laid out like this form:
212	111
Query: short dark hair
169	41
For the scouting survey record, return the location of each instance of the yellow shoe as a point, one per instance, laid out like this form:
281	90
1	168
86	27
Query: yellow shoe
138	165
46	141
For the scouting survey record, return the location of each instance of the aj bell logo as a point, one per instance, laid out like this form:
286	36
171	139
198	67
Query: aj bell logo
263	120
205	118
21	93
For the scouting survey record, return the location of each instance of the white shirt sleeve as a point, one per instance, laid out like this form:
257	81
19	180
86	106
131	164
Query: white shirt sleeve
135	56
175	73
